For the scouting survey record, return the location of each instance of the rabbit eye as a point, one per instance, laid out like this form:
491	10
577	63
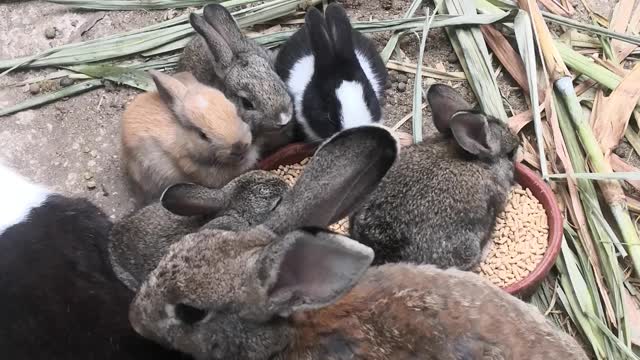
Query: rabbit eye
246	103
202	135
275	204
189	314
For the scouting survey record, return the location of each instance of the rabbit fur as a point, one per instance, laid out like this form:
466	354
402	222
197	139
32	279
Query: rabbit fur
184	132
139	240
60	298
288	289
439	202
221	56
334	73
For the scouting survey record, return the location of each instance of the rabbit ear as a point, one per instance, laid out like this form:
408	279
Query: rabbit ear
223	22
471	131
311	268
321	43
445	102
340	28
171	90
343	171
187	199
217	45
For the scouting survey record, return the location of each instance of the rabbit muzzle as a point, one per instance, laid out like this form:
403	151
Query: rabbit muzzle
238	151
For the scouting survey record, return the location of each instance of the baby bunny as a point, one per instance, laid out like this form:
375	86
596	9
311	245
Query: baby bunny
438	203
60	298
184	132
141	239
334	74
221	56
287	289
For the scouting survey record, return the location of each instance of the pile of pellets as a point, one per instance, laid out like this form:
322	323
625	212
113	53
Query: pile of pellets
519	240
517	245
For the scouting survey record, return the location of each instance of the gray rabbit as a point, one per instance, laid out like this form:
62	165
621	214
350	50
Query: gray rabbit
438	203
222	56
288	289
139	240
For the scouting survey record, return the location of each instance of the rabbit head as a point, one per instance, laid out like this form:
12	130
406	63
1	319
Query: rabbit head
139	240
244	70
227	295
341	93
479	135
218	135
248	199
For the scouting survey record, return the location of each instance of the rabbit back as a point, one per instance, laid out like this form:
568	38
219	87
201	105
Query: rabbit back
406	311
61	300
435	206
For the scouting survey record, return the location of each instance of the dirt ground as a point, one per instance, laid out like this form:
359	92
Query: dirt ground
72	145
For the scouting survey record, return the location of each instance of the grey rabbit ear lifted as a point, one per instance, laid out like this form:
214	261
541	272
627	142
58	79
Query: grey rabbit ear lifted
340	29
445	102
343	172
215	42
311	268
226	26
471	131
171	90
186	199
321	42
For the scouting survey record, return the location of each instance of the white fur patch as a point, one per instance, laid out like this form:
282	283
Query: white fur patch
285	117
170	310
354	110
299	78
201	102
368	71
19	196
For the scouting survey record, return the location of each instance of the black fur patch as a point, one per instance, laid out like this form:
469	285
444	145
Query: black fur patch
314	230
60	298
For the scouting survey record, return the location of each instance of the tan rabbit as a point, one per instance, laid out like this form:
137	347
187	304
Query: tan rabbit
184	132
288	289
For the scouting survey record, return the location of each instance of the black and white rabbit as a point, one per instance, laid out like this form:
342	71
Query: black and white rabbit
334	74
60	299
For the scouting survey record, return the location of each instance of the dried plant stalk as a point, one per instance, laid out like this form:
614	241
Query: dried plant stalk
507	56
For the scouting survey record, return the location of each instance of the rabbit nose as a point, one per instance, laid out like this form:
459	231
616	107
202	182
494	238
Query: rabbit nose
135	318
239	149
285	117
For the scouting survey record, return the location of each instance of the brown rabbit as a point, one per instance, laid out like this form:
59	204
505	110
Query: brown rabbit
184	132
287	289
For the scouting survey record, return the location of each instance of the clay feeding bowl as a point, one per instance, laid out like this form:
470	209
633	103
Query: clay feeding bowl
295	153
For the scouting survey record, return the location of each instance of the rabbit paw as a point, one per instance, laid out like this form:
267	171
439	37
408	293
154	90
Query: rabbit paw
405	139
486	250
